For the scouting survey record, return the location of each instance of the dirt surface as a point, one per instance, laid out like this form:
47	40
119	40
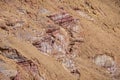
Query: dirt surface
59	39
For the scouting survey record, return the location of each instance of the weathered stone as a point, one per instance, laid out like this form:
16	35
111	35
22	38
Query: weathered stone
11	54
52	42
61	18
106	62
6	70
69	64
9	73
31	68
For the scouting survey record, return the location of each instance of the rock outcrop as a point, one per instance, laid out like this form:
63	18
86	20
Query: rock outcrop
59	40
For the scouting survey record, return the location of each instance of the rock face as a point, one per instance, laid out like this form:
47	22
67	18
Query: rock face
29	66
104	61
7	71
11	54
59	40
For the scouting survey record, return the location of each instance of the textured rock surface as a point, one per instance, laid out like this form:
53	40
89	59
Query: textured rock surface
59	40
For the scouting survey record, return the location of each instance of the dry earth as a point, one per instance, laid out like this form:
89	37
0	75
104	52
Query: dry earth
59	39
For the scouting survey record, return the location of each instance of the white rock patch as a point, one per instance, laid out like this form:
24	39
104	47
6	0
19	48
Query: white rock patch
106	62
